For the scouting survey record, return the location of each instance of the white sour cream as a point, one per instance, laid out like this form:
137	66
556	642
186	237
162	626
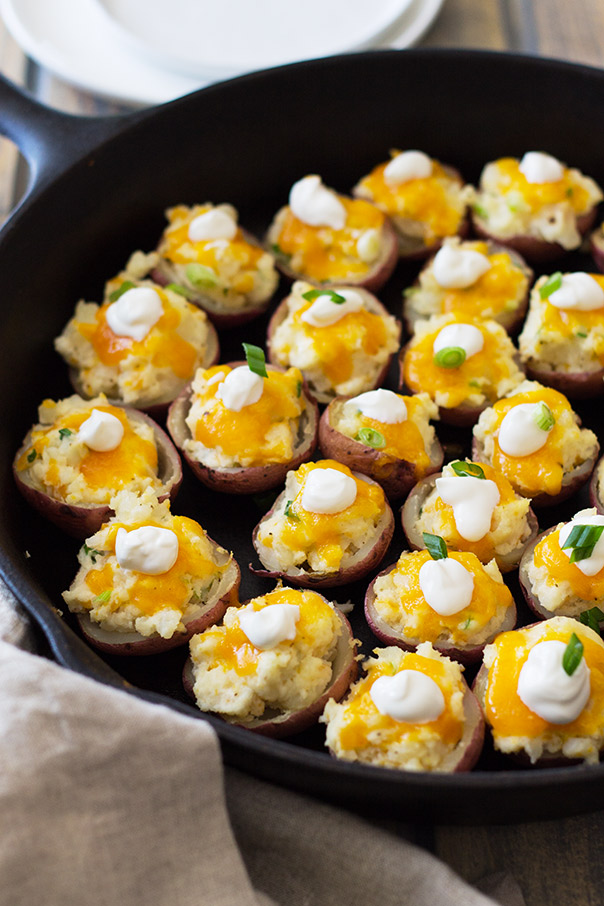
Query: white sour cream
446	585
324	311
135	312
406	166
578	292
150	549
457	268
473	501
467	336
212	224
519	434
240	388
328	491
271	625
408	696
382	405
538	167
546	688
101	431
316	205
593	564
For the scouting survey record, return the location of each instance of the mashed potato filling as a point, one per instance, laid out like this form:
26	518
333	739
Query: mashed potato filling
124	600
60	464
401	604
484	376
296	536
235	678
357	731
566	447
263	432
515	727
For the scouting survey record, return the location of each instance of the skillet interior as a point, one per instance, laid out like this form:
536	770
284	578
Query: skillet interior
245	142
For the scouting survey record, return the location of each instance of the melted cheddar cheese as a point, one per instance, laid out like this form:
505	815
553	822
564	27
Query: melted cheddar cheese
568	190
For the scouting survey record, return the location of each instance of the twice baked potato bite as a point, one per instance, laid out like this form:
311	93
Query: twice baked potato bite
328	238
384	435
562	571
426	200
216	264
534	437
537	205
411	711
242	426
328	527
141	346
342	339
273	662
473	507
463	366
448	598
542	690
148	580
82	452
477	278
562	341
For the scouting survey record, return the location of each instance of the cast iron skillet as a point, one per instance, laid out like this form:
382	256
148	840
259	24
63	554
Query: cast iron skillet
98	190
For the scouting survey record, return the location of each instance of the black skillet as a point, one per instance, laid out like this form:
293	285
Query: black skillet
98	189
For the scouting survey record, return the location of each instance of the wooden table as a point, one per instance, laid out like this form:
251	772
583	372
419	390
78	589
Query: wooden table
556	861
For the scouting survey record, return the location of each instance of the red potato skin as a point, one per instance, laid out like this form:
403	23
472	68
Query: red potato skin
135	644
594	491
248	479
83	521
580	385
396	476
596	247
410	516
291	722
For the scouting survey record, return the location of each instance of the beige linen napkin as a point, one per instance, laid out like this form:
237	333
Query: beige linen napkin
106	799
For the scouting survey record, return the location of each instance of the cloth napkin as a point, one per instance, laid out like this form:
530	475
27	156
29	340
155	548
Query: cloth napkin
106	800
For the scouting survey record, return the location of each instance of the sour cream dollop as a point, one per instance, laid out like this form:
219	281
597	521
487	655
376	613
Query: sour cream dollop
409	696
101	431
382	405
519	433
538	167
328	491
240	388
324	311
150	549
578	292
473	501
406	166
213	224
135	312
546	688
466	336
316	205
271	625
446	585
457	268
589	566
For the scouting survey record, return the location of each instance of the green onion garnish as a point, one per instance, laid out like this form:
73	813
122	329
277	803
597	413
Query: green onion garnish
572	654
582	539
278	251
177	288
102	598
543	416
255	359
450	357
65	432
581	333
371	438
470	469
92	553
299	388
313	294
551	285
200	275
482	212
592	618
435	546
32	454
126	285
288	511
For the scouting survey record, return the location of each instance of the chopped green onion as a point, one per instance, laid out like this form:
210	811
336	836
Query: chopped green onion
435	546
582	539
92	553
65	432
177	288
299	388
371	438
581	333
288	511
126	285
572	654
570	192
277	250
592	618
468	623
450	357
255	359
470	469
32	454
102	598
200	275
543	416
474	383
313	294
551	285
482	212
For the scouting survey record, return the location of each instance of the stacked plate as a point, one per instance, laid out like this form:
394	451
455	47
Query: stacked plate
150	51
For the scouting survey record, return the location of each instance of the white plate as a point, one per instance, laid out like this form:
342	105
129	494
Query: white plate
77	41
